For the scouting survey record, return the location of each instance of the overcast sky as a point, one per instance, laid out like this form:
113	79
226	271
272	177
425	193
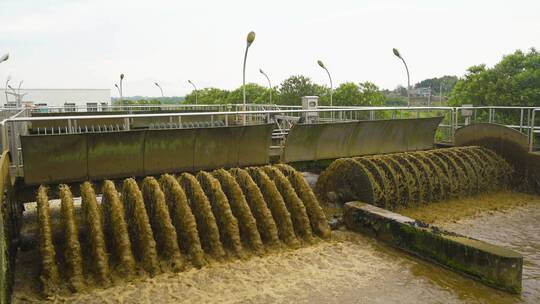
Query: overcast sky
87	44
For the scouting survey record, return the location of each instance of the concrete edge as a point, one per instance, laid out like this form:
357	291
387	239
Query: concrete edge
492	265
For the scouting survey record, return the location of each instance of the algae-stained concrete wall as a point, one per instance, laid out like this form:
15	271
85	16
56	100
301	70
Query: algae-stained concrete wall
346	139
78	157
490	264
7	250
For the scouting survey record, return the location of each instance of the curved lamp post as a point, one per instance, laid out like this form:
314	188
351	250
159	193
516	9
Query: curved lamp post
195	90
160	88
120	88
4	58
269	83
321	64
398	55
6	88
250	38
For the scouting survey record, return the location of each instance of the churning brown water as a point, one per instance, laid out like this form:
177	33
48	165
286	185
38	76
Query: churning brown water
400	180
350	268
168	226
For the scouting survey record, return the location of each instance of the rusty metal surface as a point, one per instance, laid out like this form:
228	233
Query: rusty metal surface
54	158
334	140
78	157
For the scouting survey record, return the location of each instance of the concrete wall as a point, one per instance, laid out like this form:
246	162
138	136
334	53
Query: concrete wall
307	142
96	156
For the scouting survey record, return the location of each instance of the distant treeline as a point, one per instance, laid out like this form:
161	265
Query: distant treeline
513	81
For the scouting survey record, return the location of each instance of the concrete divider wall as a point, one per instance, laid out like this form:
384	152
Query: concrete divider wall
78	157
345	139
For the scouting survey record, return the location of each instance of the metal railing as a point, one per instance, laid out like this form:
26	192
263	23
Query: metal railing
284	116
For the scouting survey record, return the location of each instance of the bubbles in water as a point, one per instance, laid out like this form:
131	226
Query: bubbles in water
402	179
178	222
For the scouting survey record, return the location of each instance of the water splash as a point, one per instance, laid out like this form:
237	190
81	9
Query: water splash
292	202
140	231
206	222
240	208
227	223
275	203
49	276
72	246
317	218
265	222
183	219
164	231
96	238
116	230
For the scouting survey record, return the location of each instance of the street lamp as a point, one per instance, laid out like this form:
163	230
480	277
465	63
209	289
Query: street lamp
250	38
269	83
4	58
120	88
157	85
195	90
6	88
321	64
398	55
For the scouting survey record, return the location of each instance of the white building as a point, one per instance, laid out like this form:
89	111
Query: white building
91	98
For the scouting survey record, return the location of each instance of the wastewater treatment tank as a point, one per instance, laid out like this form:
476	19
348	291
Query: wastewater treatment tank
152	222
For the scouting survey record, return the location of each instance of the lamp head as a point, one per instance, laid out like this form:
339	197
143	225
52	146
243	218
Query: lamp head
4	58
250	38
116	86
157	85
190	81
321	64
396	52
121	76
262	72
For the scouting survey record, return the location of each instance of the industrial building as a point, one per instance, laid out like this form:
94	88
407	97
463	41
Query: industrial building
93	99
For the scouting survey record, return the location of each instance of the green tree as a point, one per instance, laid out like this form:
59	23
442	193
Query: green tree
363	94
446	83
293	88
514	81
254	94
208	96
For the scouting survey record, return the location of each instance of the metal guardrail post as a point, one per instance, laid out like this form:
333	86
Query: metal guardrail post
521	120
452	125
532	131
